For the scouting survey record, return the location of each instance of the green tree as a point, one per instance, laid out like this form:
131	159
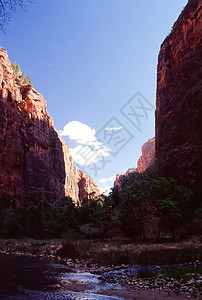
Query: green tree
33	225
27	79
99	215
17	73
57	221
135	204
16	70
14	223
173	203
96	212
141	196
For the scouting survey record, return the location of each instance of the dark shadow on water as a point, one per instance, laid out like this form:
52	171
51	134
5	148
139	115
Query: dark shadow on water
32	278
24	273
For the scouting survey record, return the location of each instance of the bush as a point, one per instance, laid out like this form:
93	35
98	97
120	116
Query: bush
27	80
16	70
17	73
35	221
173	203
184	272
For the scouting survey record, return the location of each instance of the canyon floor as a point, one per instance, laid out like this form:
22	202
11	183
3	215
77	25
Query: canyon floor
119	281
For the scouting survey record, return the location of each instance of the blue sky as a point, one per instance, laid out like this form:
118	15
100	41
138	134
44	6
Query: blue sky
93	60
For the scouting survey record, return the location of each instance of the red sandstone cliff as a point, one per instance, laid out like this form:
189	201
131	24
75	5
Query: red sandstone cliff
179	100
86	185
117	180
35	162
147	159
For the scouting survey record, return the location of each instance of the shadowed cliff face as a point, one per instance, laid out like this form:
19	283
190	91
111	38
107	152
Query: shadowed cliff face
179	100
35	162
120	177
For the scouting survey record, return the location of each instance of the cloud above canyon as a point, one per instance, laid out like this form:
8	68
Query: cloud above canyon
89	149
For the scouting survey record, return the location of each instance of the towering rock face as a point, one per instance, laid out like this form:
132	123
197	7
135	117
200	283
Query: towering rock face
117	181
71	187
86	185
179	100
146	160
148	156
35	162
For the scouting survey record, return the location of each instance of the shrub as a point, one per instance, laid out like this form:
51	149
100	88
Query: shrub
17	73
184	272
27	79
16	70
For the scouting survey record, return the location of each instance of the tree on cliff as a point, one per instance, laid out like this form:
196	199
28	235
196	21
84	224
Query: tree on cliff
7	8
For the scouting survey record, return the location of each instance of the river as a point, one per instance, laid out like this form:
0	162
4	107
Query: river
39	279
29	278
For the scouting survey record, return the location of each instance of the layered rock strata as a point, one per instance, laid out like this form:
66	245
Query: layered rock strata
35	163
147	159
87	186
179	100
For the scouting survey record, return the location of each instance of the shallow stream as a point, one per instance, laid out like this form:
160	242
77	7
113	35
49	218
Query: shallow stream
29	278
38	279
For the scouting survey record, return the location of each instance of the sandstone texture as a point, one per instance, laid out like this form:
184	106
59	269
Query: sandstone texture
117	181
87	186
179	100
147	159
35	163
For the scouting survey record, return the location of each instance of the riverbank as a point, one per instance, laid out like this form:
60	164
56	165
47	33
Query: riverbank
33	278
109	252
125	266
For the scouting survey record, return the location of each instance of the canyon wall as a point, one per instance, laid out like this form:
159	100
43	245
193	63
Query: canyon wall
117	180
87	186
35	162
147	159
179	100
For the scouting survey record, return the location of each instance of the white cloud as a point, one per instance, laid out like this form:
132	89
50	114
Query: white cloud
89	150
103	180
113	128
85	155
79	132
106	190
